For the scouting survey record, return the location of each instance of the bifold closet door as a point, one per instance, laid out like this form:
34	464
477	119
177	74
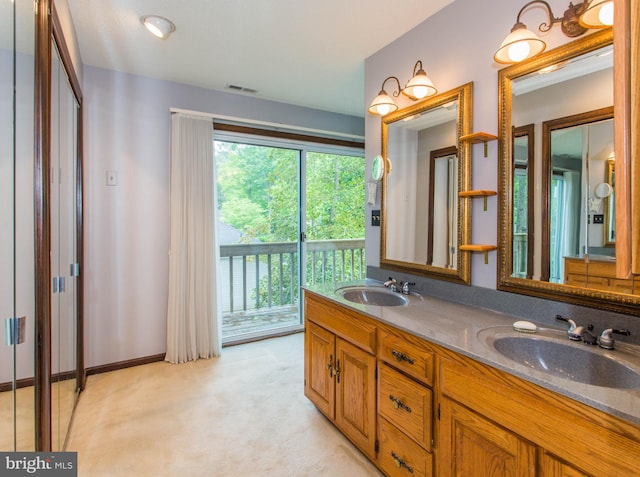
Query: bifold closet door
64	268
17	303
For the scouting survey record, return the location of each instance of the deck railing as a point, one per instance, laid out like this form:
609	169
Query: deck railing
265	275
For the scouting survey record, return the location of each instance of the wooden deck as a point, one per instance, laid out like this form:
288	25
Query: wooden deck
261	320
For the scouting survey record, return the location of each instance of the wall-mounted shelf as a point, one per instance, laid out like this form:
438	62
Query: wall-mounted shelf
479	193
479	248
477	138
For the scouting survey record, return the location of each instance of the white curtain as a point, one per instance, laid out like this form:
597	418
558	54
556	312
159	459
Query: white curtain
569	224
193	311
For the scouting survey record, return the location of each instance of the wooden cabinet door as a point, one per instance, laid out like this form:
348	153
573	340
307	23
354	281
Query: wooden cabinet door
550	466
472	446
319	368
356	395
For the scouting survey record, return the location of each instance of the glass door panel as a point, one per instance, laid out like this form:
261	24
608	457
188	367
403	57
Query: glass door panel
17	414
258	230
64	113
334	224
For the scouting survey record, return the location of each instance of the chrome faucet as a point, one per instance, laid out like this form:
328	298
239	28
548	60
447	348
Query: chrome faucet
606	339
405	287
391	284
588	337
399	287
574	332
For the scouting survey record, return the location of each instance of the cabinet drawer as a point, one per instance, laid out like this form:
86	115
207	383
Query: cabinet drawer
406	404
345	323
399	456
407	353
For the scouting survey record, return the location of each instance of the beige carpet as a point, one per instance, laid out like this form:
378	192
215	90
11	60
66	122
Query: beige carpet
243	414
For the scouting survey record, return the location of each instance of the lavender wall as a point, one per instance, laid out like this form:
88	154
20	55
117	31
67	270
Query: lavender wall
127	130
456	46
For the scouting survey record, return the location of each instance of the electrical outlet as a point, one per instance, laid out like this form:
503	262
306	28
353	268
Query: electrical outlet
598	218
112	178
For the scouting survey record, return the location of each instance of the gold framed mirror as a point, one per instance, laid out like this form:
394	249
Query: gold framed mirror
424	221
574	100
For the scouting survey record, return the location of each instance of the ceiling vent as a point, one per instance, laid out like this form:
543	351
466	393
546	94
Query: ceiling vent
241	89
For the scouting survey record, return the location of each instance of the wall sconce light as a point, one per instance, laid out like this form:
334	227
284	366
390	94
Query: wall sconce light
418	87
158	26
598	14
522	44
383	104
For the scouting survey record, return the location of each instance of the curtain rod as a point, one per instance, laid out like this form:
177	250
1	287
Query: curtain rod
289	127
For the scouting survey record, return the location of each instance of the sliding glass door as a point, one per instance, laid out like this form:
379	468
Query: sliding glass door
257	190
271	195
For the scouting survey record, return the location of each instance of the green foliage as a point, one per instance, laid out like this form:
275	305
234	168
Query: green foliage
258	192
257	188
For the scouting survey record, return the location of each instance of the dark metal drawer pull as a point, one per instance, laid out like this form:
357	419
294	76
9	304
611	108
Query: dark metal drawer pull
398	404
401	463
401	356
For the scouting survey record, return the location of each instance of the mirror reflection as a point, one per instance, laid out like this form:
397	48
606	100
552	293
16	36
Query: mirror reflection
573	164
556	177
424	220
607	195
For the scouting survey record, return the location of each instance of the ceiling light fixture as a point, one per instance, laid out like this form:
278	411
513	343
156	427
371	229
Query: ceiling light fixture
522	44
418	87
158	26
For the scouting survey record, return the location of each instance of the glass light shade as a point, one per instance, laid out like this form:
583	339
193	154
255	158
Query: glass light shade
382	104
158	26
420	86
598	14
519	45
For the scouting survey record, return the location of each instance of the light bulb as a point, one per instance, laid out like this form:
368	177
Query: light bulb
606	14
519	51
420	91
383	109
154	29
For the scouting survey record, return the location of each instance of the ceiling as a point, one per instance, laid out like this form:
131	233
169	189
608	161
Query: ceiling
303	52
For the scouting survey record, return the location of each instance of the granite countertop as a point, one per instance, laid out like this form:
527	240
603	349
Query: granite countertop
468	330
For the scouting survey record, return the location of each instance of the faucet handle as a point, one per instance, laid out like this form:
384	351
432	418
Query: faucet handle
405	287
606	339
574	330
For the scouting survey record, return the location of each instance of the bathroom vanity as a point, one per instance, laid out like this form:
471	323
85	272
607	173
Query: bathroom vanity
420	389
